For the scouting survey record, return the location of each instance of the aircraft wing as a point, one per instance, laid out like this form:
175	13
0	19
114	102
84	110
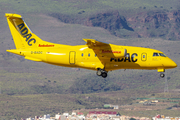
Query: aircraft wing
105	49
94	43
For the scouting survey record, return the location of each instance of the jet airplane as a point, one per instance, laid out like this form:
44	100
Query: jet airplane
94	55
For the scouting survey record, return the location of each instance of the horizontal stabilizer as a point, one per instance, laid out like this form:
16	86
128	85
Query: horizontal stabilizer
33	59
12	15
15	51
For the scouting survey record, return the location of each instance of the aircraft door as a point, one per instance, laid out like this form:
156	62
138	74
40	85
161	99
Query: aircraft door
144	56
72	57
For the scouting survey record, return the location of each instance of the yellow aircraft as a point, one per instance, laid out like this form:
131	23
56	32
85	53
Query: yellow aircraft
95	55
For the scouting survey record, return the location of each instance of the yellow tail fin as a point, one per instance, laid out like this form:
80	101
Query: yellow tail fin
22	35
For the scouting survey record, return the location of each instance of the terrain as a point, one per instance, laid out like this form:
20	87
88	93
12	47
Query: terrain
148	24
30	88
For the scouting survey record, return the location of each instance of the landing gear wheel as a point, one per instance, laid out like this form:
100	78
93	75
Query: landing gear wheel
104	74
99	73
162	75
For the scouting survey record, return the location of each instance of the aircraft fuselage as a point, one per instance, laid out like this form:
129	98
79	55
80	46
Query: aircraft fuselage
83	57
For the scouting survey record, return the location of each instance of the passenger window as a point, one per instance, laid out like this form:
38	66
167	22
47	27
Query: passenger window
89	55
95	55
82	54
155	54
144	56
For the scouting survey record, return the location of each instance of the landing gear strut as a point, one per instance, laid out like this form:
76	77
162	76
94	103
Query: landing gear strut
162	75
101	72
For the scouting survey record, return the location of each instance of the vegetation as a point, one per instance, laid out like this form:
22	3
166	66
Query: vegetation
17	106
29	88
91	84
132	119
72	7
124	18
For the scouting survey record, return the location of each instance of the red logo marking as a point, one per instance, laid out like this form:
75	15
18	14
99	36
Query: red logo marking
109	51
46	45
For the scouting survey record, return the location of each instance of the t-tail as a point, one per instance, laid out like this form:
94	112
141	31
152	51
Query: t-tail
23	37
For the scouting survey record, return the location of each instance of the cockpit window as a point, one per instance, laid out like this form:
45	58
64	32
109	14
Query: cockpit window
161	54
155	54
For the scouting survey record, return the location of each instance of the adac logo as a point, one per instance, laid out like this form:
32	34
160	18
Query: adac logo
127	58
24	32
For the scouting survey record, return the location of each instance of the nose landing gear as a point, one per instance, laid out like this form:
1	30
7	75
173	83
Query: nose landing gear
101	72
162	75
161	71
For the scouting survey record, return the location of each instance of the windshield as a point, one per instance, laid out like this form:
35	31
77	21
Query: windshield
159	54
155	54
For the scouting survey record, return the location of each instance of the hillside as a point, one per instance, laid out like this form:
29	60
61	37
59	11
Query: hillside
148	24
124	19
24	84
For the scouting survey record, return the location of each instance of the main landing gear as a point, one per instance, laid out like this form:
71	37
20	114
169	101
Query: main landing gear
101	72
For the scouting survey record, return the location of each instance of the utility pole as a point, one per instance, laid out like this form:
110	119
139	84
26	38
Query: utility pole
166	89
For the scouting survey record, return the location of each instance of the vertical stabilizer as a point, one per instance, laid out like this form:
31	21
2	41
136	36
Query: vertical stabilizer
22	35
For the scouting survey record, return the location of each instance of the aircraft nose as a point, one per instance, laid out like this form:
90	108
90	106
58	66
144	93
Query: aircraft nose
174	64
171	64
